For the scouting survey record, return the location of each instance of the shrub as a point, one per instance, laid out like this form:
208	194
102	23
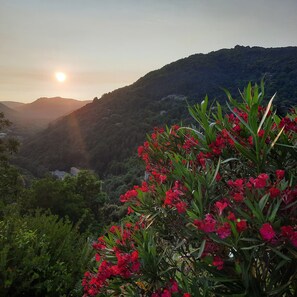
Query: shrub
217	215
41	255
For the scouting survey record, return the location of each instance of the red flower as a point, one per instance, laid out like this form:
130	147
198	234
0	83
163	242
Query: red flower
114	229
260	181
294	239
241	226
100	244
173	195
207	225
128	195
267	232
140	150
250	140
238	197
287	231
218	262
160	178
280	174
129	210
218	177
187	295
221	206
166	293
238	184
201	158
274	192
189	143
181	206
174	286
236	128
231	216
261	133
224	231
97	257
288	195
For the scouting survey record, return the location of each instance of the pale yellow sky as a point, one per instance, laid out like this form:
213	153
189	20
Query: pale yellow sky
102	45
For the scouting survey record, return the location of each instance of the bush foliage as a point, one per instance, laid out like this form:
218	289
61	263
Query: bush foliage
217	214
41	255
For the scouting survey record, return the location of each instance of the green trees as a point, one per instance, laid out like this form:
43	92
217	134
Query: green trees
10	180
76	197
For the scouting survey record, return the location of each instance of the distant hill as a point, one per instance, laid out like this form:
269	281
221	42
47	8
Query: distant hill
50	108
102	134
8	112
12	104
20	125
32	117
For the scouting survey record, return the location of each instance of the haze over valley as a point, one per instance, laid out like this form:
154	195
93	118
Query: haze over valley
30	118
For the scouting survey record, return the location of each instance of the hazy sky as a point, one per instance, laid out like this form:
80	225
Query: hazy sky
106	44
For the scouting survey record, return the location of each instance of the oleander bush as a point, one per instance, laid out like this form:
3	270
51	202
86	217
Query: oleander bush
217	213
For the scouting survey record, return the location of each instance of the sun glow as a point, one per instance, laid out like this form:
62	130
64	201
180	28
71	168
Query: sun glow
60	76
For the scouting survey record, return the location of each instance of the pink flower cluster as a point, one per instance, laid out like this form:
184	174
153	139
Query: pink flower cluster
169	290
173	197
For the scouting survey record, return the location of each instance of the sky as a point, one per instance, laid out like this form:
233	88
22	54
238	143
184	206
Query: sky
102	45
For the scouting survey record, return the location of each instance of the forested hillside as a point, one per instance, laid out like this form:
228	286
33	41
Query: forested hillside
102	134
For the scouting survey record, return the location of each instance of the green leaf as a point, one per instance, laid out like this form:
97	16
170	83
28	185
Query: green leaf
252	247
274	211
246	152
201	249
254	210
281	264
216	172
279	290
229	160
263	201
280	254
276	138
253	118
219	112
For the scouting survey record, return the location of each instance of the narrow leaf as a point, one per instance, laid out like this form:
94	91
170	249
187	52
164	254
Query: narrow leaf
201	249
266	112
263	201
277	137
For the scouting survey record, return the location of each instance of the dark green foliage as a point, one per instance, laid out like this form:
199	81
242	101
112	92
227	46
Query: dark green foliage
123	176
80	198
8	145
11	183
109	129
41	255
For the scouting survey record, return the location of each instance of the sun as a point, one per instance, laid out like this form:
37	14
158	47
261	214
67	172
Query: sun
60	76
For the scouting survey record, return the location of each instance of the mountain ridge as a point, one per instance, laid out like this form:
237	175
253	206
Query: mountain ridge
50	107
28	118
